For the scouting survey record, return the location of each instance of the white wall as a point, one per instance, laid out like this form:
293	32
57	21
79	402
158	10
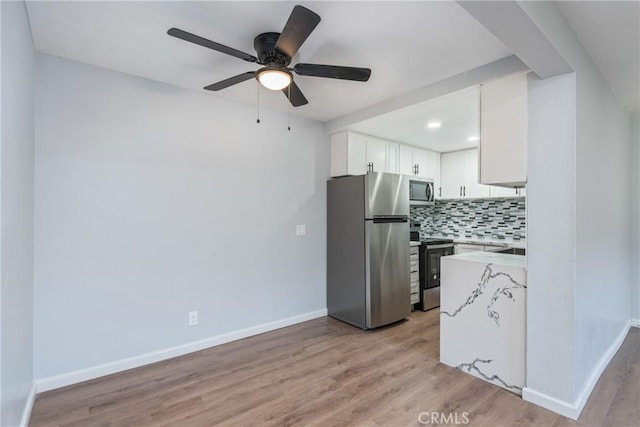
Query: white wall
16	215
551	232
603	223
634	161
603	267
152	201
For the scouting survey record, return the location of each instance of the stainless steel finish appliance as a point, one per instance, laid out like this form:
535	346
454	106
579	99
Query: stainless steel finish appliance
431	251
368	282
421	191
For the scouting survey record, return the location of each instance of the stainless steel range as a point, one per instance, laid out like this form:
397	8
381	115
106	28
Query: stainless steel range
431	250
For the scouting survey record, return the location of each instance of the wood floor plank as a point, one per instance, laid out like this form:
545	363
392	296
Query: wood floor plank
325	373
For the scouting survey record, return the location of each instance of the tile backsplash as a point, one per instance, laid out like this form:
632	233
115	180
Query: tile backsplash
496	218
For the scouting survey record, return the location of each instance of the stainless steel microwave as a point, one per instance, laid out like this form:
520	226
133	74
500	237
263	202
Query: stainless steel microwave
421	191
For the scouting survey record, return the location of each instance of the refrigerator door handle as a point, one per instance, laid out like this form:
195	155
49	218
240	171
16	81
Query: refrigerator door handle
389	218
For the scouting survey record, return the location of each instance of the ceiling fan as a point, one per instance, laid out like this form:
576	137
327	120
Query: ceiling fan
275	51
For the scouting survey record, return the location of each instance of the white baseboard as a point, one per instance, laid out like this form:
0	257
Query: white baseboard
551	403
573	410
28	406
86	374
635	323
600	367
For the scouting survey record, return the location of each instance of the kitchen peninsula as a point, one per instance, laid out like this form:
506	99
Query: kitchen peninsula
482	316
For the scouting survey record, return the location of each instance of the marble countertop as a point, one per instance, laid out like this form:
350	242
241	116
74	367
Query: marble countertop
413	243
492	258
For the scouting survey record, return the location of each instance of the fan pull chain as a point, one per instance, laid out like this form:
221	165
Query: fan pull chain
289	115
258	120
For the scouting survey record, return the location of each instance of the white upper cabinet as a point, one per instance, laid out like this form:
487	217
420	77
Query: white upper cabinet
503	131
451	174
503	191
405	160
356	154
471	186
376	155
420	162
459	175
434	169
355	149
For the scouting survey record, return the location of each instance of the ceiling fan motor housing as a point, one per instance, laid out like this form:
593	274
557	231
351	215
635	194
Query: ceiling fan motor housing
265	46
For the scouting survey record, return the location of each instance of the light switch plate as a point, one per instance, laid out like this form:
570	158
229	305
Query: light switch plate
301	230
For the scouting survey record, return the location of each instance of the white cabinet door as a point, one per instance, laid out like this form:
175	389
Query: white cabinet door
405	160
503	131
503	191
434	169
471	188
377	154
421	162
452	174
392	157
357	155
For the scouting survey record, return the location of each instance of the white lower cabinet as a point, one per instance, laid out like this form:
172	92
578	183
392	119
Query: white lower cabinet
414	273
463	248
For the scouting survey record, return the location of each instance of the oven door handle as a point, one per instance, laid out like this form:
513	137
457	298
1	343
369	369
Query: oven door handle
443	246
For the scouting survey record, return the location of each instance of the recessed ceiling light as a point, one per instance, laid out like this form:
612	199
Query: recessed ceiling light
434	125
473	138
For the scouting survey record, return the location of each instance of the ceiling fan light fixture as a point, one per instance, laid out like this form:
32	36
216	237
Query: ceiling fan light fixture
274	79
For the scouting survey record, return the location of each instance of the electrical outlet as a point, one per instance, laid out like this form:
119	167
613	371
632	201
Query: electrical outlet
301	230
193	318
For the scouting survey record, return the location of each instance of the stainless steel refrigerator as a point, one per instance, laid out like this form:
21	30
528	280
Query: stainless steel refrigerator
368	282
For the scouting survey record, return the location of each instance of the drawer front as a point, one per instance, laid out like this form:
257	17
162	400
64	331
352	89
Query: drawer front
415	287
413	266
413	258
415	277
414	250
415	298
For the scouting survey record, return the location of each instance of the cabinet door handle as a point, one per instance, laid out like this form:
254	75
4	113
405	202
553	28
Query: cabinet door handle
439	191
461	191
417	169
464	191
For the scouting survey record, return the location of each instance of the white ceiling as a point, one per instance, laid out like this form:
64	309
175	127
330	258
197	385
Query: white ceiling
408	45
457	112
610	32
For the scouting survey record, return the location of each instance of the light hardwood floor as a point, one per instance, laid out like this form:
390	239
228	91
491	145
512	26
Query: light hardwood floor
326	373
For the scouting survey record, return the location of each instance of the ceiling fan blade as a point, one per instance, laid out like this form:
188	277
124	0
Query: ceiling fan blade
231	81
175	32
333	72
297	98
300	24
